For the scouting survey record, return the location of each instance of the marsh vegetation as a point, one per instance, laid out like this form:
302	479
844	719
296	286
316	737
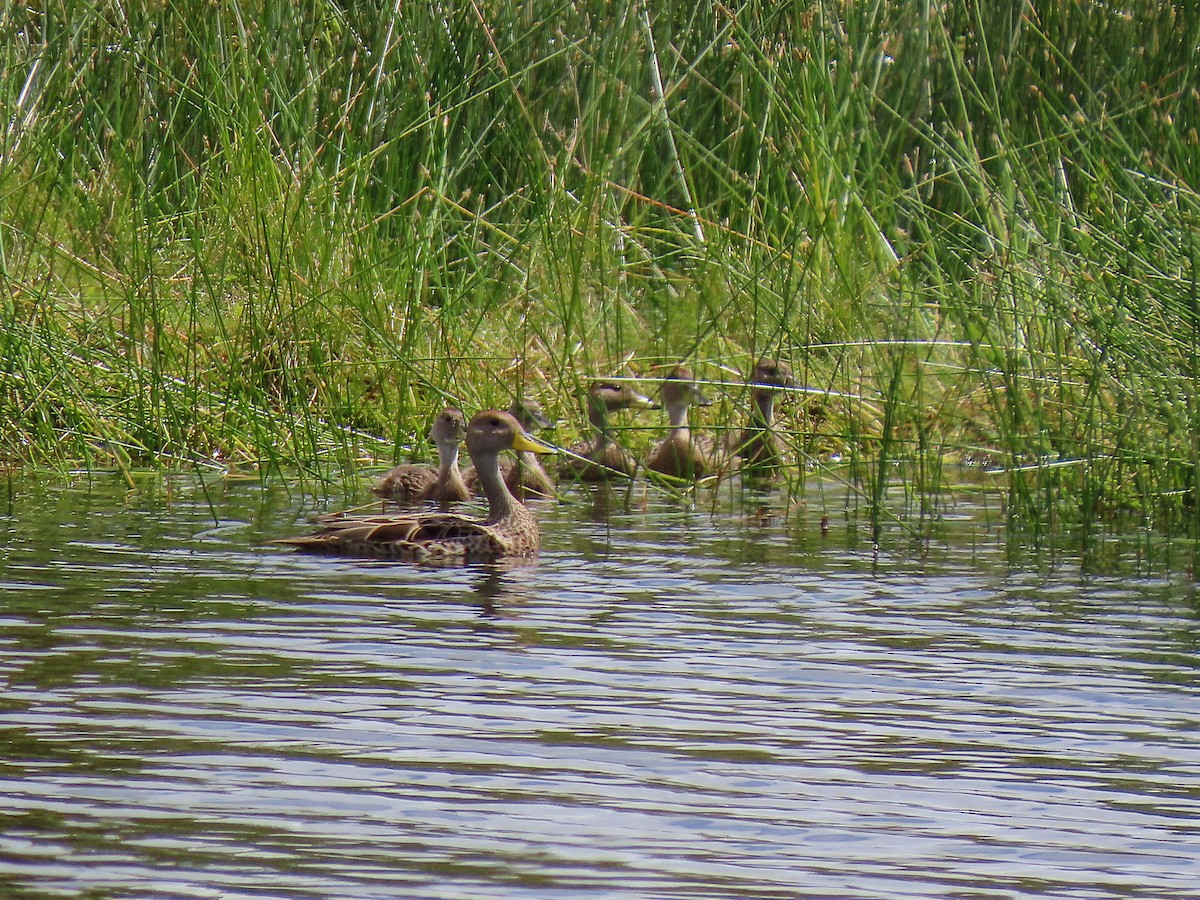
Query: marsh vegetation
281	237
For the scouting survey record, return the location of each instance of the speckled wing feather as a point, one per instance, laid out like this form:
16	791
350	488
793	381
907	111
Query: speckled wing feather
423	538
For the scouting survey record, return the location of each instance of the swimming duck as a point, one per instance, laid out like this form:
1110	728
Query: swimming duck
758	446
414	483
602	457
678	454
509	529
525	477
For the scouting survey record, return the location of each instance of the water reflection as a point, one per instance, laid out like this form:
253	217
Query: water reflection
678	698
500	595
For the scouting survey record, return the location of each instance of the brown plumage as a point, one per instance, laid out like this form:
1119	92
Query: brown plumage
510	529
602	457
414	483
525	477
679	454
758	446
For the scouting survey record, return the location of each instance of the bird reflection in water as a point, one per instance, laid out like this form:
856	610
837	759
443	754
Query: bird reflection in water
495	590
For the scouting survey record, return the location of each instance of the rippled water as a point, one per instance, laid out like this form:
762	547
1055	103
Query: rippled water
668	703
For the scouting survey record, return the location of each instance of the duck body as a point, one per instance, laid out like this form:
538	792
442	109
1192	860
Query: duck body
600	463
509	529
416	483
676	455
432	537
679	455
602	457
758	447
525	477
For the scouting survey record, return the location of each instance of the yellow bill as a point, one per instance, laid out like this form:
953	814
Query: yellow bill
529	445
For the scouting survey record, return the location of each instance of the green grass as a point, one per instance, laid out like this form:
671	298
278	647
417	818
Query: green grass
280	236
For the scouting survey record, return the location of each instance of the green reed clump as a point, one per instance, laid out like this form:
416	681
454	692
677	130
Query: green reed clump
283	235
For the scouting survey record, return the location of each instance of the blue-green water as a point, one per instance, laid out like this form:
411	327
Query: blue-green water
667	703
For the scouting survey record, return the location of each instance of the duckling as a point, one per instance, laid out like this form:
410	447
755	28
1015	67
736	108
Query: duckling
525	477
509	530
678	454
414	483
602	457
758	446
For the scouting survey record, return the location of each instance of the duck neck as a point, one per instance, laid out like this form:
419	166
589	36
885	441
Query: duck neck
677	416
447	461
598	416
500	501
763	412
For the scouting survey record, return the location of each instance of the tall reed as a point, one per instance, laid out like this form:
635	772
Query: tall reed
282	235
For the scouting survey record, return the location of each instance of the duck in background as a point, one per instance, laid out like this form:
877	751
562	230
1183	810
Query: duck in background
601	458
758	446
415	483
679	454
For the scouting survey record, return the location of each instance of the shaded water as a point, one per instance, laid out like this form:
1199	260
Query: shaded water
668	703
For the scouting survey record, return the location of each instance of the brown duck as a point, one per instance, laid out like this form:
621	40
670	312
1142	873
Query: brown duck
414	483
509	529
525	477
601	458
758	446
679	454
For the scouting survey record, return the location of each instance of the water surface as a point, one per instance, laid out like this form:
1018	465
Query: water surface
669	702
